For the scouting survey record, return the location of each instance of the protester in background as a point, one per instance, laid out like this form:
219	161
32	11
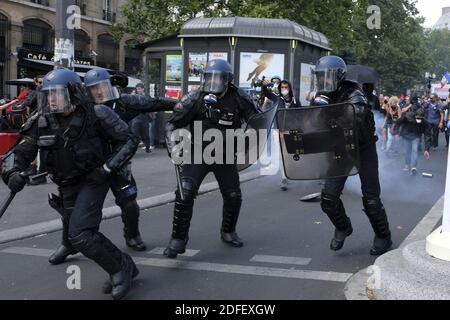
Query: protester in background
394	112
31	100
435	117
408	105
140	90
384	111
287	99
446	110
140	126
412	126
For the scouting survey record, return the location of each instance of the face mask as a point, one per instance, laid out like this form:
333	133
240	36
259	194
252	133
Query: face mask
419	121
285	92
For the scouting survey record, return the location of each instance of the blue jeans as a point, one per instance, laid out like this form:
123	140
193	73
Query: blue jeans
412	152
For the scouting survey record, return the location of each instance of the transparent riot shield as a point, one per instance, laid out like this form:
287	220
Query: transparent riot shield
319	142
251	142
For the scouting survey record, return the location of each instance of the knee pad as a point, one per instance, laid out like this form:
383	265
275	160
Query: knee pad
330	203
233	198
372	205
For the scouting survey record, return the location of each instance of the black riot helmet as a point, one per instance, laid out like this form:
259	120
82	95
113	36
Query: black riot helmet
330	71
216	77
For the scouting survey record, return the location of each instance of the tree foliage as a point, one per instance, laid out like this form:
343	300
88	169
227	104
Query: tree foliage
400	50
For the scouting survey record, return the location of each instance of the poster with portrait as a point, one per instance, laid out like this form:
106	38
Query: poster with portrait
306	82
218	55
255	65
197	63
174	65
173	92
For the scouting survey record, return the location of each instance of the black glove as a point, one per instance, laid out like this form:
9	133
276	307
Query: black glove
120	79
16	182
99	175
78	95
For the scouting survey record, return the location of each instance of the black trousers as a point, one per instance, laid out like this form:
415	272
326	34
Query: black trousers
434	135
83	203
368	174
227	176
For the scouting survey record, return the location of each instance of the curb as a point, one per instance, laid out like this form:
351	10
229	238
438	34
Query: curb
357	287
42	228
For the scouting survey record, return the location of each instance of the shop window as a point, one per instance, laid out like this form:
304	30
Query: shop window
38	35
108	52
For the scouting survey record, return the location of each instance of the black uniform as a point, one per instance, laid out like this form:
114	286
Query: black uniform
229	113
332	205
74	149
123	184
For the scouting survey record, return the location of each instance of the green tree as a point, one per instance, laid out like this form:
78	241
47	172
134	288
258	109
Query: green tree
438	51
398	50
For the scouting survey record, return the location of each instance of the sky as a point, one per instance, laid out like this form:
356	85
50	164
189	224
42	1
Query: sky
431	10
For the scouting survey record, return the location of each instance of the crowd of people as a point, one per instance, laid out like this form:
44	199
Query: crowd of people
412	124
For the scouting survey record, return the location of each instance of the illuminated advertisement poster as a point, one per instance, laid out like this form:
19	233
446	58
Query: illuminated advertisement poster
197	63
256	65
173	92
174	64
306	82
218	55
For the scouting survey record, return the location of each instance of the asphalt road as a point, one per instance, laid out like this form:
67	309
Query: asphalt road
285	257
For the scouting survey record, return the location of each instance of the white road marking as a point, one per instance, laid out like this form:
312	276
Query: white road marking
212	267
281	260
248	270
29	251
188	253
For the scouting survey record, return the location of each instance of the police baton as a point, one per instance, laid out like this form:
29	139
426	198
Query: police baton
12	194
180	185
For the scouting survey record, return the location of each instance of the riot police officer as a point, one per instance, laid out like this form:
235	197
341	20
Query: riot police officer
102	89
333	88
82	145
231	108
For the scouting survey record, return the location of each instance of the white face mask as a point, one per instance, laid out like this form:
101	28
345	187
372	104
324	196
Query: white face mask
419	121
285	92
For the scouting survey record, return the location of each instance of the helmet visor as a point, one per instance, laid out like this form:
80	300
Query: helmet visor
326	81
103	91
214	82
56	99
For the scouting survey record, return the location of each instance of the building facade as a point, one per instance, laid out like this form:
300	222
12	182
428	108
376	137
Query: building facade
444	20
27	31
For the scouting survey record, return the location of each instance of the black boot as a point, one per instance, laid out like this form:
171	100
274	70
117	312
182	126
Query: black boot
180	230
117	264
65	249
108	285
334	208
231	208
376	213
130	219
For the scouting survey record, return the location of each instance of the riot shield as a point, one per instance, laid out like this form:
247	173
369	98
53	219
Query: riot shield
255	135
319	142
